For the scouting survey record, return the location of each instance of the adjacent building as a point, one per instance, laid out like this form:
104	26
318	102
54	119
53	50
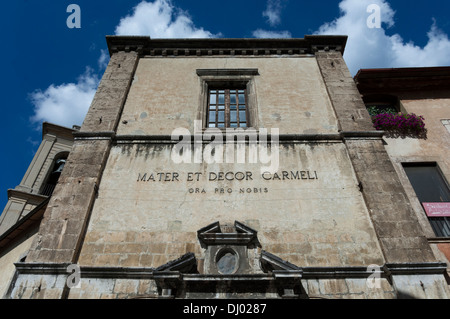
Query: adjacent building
421	160
20	219
236	168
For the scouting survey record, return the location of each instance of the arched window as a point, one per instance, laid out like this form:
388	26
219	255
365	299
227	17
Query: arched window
55	173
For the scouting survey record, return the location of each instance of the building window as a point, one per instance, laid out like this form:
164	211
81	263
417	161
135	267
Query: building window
227	108
52	179
379	108
446	124
381	104
228	98
432	190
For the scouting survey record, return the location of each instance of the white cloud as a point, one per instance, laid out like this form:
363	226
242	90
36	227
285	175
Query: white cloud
373	48
434	53
273	12
271	34
273	15
68	103
65	104
160	19
103	60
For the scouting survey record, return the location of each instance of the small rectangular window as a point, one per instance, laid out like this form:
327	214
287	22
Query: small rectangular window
446	124
227	108
430	187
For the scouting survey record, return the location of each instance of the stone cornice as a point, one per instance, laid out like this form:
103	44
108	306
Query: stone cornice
386	270
281	138
106	135
244	137
227	72
34	199
310	44
57	130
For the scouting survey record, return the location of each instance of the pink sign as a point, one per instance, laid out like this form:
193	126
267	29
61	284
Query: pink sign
437	209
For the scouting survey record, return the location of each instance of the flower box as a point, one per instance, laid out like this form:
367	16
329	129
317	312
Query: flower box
399	124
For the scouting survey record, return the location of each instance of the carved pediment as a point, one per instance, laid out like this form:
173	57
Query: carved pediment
185	264
232	262
270	263
213	235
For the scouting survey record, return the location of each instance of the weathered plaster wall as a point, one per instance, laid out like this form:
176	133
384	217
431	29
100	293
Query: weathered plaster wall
165	95
318	219
432	149
8	257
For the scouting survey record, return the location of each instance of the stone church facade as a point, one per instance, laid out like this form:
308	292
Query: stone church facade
228	168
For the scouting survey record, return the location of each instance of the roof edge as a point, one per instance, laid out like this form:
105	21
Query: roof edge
145	45
403	80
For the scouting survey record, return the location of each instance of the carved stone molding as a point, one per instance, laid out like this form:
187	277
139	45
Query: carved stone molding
225	47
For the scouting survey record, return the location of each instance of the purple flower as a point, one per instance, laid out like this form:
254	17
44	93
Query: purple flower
400	123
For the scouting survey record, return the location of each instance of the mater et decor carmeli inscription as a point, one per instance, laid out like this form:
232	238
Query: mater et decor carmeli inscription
230	176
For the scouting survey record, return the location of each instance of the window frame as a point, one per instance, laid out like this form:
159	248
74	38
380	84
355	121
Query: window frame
382	103
439	225
228	79
227	123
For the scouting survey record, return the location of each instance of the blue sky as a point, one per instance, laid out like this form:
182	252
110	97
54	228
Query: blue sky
50	71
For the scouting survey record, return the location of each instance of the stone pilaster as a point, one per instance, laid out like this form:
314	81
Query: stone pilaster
106	108
348	105
67	215
394	220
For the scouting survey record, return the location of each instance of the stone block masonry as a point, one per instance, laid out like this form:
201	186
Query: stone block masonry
106	108
395	222
64	223
400	235
348	105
